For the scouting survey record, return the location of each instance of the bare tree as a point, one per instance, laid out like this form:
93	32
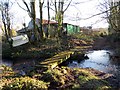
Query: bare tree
32	14
4	8
111	12
41	18
48	5
60	7
59	12
33	17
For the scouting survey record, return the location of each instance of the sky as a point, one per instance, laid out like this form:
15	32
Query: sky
83	10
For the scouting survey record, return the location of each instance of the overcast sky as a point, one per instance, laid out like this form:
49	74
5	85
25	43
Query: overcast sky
82	10
85	10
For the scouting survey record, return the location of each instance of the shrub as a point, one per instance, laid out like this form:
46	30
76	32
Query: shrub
25	83
6	71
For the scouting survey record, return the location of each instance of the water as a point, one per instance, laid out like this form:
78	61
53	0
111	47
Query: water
99	60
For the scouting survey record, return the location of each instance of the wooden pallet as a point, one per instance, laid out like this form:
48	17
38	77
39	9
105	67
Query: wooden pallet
56	60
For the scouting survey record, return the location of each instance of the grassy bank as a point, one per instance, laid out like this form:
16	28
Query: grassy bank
44	49
30	51
58	78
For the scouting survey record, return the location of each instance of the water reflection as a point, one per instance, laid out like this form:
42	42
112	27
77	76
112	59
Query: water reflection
99	60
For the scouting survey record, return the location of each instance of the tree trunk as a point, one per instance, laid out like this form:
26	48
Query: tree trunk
40	28
6	33
59	17
8	23
48	5
33	16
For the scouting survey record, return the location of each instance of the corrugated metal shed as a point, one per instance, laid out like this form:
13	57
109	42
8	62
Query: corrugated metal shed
71	29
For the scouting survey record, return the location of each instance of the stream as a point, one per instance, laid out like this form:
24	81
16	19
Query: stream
99	60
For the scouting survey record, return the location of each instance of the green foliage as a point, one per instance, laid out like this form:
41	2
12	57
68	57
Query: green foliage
45	49
6	68
6	71
25	83
88	80
53	76
96	84
56	78
83	79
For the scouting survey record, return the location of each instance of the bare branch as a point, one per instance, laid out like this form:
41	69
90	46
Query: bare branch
82	2
43	2
100	13
21	7
55	6
26	5
49	7
98	21
76	8
52	3
67	6
96	15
